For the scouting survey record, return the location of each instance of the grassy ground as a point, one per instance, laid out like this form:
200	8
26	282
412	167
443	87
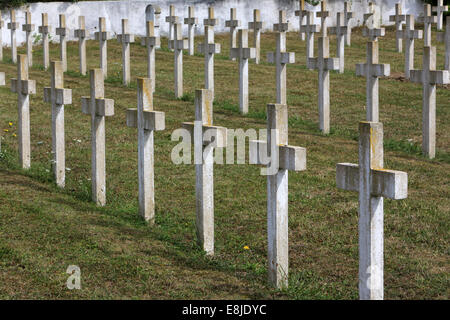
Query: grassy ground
43	229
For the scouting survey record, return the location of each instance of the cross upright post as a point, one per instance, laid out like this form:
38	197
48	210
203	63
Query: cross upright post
409	34
301	13
191	21
152	42
323	14
280	57
178	44
440	9
98	108
23	86
256	25
13	26
340	31
147	121
45	29
374	183
102	37
427	19
62	31
2	24
348	15
81	34
58	96
429	77
211	21
28	27
233	24
399	19
172	19
309	30
445	38
125	39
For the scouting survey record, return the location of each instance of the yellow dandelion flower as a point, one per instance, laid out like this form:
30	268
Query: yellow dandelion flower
6	130
14	135
10	124
246	248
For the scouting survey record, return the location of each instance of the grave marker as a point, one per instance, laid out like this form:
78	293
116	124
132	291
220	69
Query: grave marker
445	37
172	19
28	27
62	31
233	24
152	42
191	21
211	21
2	24
45	30
13	26
102	37
427	19
81	34
301	14
440	9
399	19
152	13
323	14
409	34
340	31
348	15
309	30
178	45
125	39
256	25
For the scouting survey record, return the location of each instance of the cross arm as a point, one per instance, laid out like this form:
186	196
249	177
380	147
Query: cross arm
102	35
210	22
439	77
332	63
427	19
153	41
443	8
334	30
28	86
13	25
286	57
210	134
45	29
190	21
103	107
373	33
28	27
172	19
410	34
255	25
290	158
312	28
210	48
125	38
232	23
180	44
80	33
153	120
322	14
312	63
62	95
62	31
281	27
397	18
377	70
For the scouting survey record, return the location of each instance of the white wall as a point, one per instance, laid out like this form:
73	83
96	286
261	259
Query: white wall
134	10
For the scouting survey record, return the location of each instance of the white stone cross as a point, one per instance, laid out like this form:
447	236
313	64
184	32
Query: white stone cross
243	53
211	21
440	9
348	15
81	34
62	31
372	28
409	34
147	121
28	27
374	183
256	25
23	86
125	39
172	19
191	21
152	42
285	158
372	70
323	63
2	24
323	14
45	30
98	108
427	19
399	19
58	96
429	77
102	37
233	24
301	13
209	48
340	31
13	26
152	13
445	37
309	30
280	57
178	44
205	138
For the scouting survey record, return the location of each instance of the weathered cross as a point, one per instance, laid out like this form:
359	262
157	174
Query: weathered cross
81	34
2	24
125	39
440	9
205	138
147	121
233	24
211	21
429	77
280	57
309	30
243	53
323	14
445	37
98	108
301	14
372	70
152	42
102	37
45	29
62	31
348	15
340	31
172	19
374	183
373	29
191	21
399	19
282	158
178	45
427	19
256	25
23	86
58	96
13	26
152	13
28	27
409	34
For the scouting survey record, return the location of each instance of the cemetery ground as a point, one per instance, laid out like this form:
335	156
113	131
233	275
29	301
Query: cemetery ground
43	229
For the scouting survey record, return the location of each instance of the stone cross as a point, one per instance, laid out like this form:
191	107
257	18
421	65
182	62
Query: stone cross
81	34
13	26
211	21
445	37
191	21
323	15
172	19
125	39
45	29
440	9
152	42
152	13
28	27
429	77
2	79
62	31
147	121
178	44
374	183
2	24
373	29
323	63
427	19
209	48
58	96
409	34
98	108
23	86
233	24
369	19
102	37
398	18
301	14
372	70
348	15
243	53
256	25
205	138
285	158
309	30
280	57
340	31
